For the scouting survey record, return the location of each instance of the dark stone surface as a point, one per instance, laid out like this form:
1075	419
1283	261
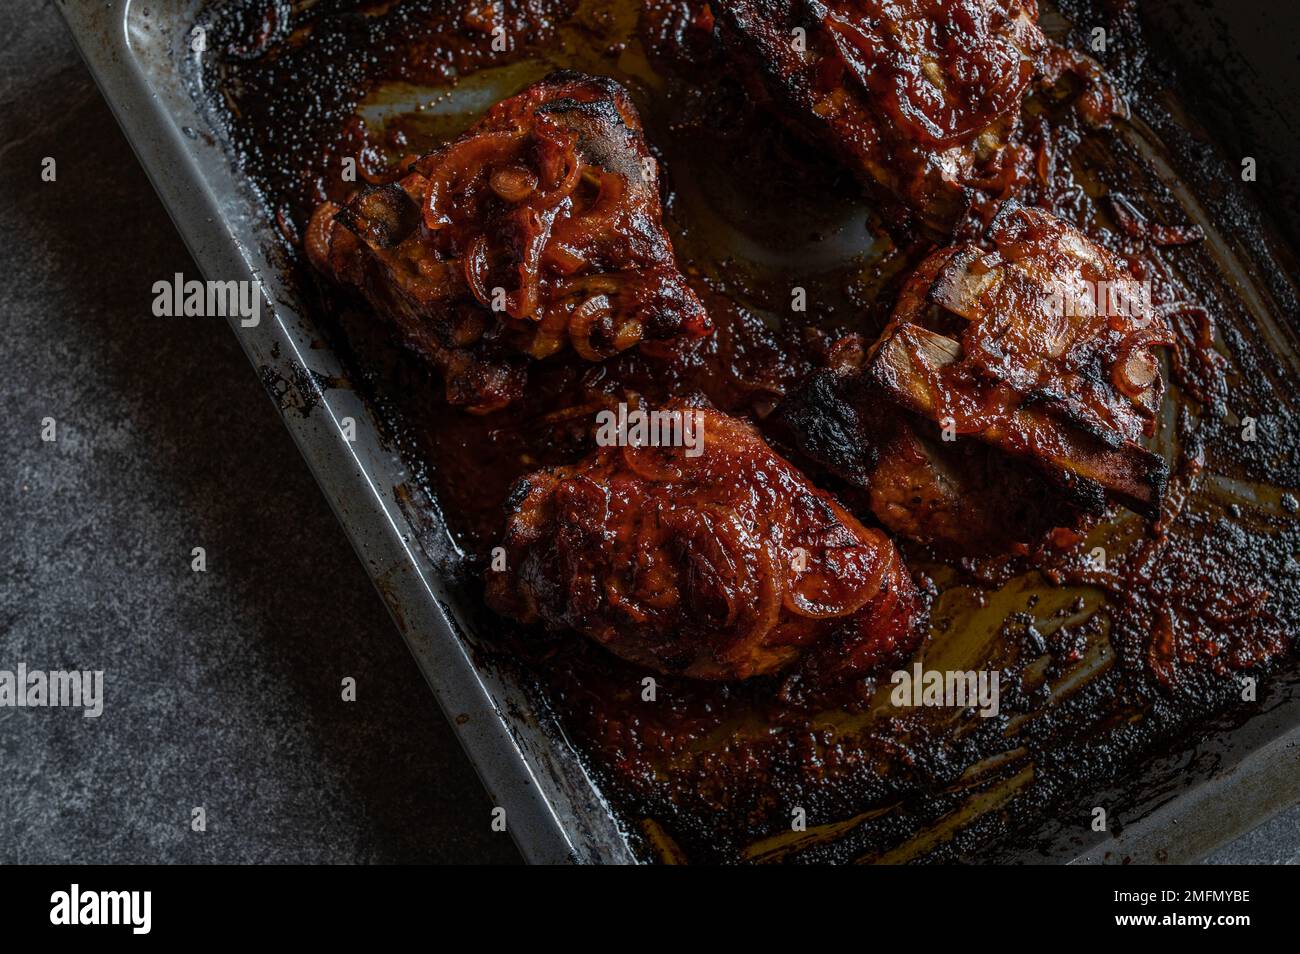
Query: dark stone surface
223	688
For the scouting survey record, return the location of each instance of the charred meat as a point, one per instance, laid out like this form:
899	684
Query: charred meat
537	230
960	497
720	565
1041	345
921	98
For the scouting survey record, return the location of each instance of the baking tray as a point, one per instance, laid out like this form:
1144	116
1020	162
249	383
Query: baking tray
139	53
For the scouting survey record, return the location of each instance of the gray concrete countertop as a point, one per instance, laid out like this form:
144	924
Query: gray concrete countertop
222	688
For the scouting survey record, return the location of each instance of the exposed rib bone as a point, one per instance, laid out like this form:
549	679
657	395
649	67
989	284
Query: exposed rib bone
1083	462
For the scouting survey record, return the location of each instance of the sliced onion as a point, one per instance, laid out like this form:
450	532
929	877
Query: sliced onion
459	163
476	264
1135	367
513	183
551	333
536	231
1135	373
584	321
837	581
562	258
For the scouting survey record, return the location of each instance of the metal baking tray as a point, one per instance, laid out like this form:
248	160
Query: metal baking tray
140	54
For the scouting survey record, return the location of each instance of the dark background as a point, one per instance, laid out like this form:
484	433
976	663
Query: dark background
223	688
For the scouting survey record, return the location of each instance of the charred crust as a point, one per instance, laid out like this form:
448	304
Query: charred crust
518	493
382	216
825	421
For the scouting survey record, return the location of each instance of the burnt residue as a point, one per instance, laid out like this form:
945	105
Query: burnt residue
296	392
291	75
1103	667
1231	60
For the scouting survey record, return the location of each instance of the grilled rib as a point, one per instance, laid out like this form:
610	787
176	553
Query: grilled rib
962	497
721	566
1018	347
920	98
536	231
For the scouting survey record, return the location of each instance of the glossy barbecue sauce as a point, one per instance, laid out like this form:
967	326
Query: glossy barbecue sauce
1102	662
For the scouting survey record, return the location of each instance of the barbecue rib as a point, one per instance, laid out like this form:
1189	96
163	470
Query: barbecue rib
724	565
921	98
1043	348
961	497
538	229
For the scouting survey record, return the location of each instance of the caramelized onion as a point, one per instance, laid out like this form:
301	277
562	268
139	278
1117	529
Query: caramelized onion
590	317
1135	368
476	268
513	183
535	231
551	333
563	259
835	581
316	242
451	167
598	219
1135	373
584	322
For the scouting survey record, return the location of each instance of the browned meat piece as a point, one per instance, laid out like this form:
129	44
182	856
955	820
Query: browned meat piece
922	98
919	96
537	230
724	565
959	497
1043	348
962	497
